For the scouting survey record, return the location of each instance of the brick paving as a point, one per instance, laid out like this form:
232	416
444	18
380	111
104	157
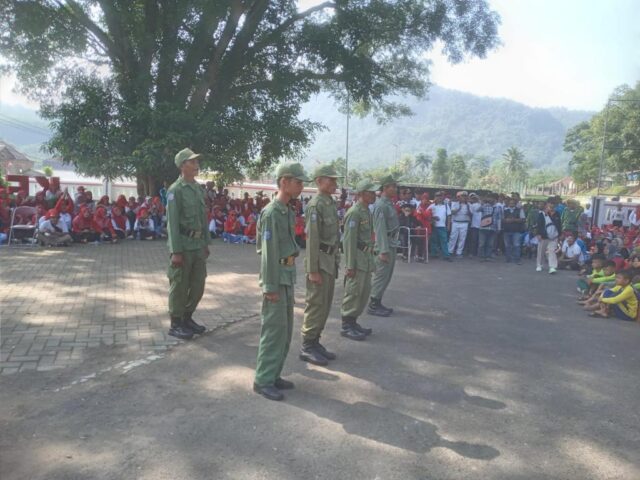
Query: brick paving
58	305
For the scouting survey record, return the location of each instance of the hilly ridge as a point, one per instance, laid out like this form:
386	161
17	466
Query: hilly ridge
460	122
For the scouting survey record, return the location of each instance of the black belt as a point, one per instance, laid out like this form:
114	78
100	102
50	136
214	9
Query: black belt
365	248
191	233
328	249
289	261
461	221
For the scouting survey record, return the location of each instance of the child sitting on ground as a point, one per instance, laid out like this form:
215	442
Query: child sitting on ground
598	284
595	270
620	300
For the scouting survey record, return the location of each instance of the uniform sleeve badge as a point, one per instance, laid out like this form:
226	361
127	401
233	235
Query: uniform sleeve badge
267	235
170	196
314	217
352	224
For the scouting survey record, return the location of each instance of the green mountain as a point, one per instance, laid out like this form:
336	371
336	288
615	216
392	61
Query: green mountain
460	122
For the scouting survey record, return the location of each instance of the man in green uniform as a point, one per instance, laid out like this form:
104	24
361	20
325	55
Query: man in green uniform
386	227
188	246
277	247
321	264
358	247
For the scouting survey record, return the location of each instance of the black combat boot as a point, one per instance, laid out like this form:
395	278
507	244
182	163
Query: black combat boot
310	353
269	391
386	309
282	384
361	329
193	326
325	353
178	330
349	331
375	308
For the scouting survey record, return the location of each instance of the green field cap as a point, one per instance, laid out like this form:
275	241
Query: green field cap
325	171
388	180
184	155
295	170
367	186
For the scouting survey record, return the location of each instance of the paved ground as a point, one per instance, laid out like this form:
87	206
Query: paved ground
486	371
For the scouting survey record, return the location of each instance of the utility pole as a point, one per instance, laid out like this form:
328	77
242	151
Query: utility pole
346	159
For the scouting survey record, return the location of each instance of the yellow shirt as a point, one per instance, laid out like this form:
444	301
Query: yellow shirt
624	298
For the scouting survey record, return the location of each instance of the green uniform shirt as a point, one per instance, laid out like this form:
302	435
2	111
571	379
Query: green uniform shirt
186	211
323	227
275	240
386	225
358	231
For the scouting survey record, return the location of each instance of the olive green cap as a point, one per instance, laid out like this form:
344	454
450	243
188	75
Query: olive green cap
388	180
295	170
184	155
366	186
325	171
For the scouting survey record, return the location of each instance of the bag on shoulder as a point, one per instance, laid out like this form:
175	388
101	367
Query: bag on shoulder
487	220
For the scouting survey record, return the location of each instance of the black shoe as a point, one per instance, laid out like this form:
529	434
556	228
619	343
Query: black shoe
361	329
180	332
388	309
348	331
193	326
309	353
282	384
269	391
324	352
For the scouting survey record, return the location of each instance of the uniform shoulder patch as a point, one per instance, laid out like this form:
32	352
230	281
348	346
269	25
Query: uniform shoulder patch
170	196
314	217
266	235
352	224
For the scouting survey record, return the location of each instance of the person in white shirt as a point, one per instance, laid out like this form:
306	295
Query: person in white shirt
473	235
460	219
53	232
634	217
616	216
571	254
439	213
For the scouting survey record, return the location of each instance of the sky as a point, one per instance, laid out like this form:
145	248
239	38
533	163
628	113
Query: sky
567	53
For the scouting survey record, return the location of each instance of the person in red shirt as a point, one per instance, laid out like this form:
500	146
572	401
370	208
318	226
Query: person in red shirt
102	224
250	230
83	228
301	234
120	223
231	228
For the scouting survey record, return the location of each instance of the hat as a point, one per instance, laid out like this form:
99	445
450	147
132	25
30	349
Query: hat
388	180
366	186
295	170
184	155
473	194
325	171
463	193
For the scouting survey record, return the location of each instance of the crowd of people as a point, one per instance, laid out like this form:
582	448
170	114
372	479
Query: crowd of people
558	234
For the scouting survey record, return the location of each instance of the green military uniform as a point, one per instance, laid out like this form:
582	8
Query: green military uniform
386	226
277	247
322	256
358	248
188	235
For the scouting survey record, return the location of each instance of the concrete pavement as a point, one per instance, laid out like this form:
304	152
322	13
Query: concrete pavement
486	371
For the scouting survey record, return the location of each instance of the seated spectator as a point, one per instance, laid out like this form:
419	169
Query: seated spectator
103	224
83	229
250	230
157	214
90	202
131	210
300	231
120	223
570	254
597	284
620	300
53	232
144	228
105	202
232	229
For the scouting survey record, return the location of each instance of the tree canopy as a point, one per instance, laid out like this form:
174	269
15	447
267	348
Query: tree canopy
587	141
127	83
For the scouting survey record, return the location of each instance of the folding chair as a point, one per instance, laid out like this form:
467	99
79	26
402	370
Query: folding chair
22	231
425	238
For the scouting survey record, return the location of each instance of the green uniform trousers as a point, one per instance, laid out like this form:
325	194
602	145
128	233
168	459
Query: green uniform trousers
318	305
356	294
275	337
382	275
186	283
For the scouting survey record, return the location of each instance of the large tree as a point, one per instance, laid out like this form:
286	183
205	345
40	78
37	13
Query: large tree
127	83
617	152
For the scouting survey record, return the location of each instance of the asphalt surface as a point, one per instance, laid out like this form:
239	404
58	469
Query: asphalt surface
485	371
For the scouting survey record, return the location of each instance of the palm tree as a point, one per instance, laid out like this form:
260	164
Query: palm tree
515	166
423	162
